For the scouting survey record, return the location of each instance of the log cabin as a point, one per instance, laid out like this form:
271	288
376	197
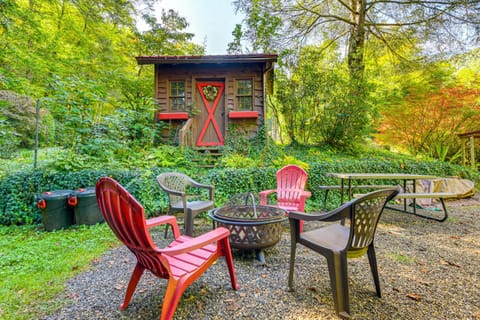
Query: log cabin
200	98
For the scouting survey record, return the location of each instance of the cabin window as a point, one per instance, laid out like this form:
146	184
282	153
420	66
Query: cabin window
244	95
177	95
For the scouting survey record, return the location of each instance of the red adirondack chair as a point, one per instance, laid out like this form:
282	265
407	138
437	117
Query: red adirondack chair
181	262
291	194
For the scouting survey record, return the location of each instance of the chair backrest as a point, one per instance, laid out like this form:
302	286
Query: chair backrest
173	181
126	217
291	181
365	213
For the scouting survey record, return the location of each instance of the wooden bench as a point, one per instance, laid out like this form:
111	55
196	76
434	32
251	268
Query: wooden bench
357	187
421	195
425	195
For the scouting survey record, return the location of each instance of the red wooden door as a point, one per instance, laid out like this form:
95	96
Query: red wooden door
210	121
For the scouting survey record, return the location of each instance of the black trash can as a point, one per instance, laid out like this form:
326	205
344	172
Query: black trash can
56	213
85	207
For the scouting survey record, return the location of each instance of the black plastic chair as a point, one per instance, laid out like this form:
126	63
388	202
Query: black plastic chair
175	185
339	241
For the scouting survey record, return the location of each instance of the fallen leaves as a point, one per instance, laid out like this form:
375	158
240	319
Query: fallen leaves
119	286
318	298
449	263
425	283
414	296
231	304
425	270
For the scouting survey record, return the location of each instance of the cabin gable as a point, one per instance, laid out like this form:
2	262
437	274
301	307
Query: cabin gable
200	98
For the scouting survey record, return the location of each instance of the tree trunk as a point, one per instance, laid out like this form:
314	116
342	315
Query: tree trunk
356	41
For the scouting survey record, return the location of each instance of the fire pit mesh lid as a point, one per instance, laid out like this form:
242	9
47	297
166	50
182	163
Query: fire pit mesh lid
240	208
244	199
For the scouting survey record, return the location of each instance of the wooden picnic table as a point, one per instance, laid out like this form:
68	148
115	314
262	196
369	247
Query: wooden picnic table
406	178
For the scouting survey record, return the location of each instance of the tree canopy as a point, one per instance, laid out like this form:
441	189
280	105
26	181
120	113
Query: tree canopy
449	26
366	35
348	69
77	59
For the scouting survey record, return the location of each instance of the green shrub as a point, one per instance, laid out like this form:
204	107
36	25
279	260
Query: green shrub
286	160
18	191
9	139
229	182
235	160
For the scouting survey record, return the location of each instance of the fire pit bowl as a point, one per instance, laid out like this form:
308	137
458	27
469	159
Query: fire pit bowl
251	226
248	232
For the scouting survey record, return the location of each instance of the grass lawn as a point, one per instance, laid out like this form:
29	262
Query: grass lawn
35	264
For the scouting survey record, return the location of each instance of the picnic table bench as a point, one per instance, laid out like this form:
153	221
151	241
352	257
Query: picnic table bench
426	195
354	187
406	178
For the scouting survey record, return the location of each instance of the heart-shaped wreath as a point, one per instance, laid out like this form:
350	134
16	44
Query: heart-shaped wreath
210	92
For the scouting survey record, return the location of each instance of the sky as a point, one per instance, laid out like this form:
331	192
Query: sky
212	21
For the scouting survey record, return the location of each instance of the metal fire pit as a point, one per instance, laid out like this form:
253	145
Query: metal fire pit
252	227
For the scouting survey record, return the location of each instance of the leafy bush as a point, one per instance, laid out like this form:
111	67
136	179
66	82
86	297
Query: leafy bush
229	182
121	156
235	160
18	191
17	123
428	119
286	160
9	140
319	103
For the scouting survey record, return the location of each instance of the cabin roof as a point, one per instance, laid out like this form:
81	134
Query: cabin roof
240	58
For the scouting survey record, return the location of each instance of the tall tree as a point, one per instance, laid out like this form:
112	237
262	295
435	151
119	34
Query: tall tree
77	57
436	26
442	25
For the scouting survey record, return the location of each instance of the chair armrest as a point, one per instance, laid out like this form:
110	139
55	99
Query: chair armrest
303	198
263	196
157	221
196	184
198	242
211	190
339	213
200	185
306	194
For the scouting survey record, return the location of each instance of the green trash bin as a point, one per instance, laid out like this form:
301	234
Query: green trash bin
85	207
56	213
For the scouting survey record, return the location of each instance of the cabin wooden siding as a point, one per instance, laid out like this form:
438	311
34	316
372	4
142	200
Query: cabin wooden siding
215	117
229	73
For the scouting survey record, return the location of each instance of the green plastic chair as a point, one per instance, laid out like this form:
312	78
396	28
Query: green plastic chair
176	186
352	237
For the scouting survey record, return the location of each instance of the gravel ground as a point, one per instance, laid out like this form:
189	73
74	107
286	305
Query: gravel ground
428	270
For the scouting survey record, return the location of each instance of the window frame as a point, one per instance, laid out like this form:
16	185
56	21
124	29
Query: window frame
171	97
237	95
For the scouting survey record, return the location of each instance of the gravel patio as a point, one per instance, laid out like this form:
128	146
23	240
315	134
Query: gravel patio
428	270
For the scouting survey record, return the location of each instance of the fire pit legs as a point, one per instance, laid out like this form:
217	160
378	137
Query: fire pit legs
260	256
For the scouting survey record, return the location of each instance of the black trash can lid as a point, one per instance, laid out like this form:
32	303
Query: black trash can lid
53	195
85	192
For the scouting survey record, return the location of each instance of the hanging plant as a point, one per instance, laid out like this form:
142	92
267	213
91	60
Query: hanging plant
210	92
